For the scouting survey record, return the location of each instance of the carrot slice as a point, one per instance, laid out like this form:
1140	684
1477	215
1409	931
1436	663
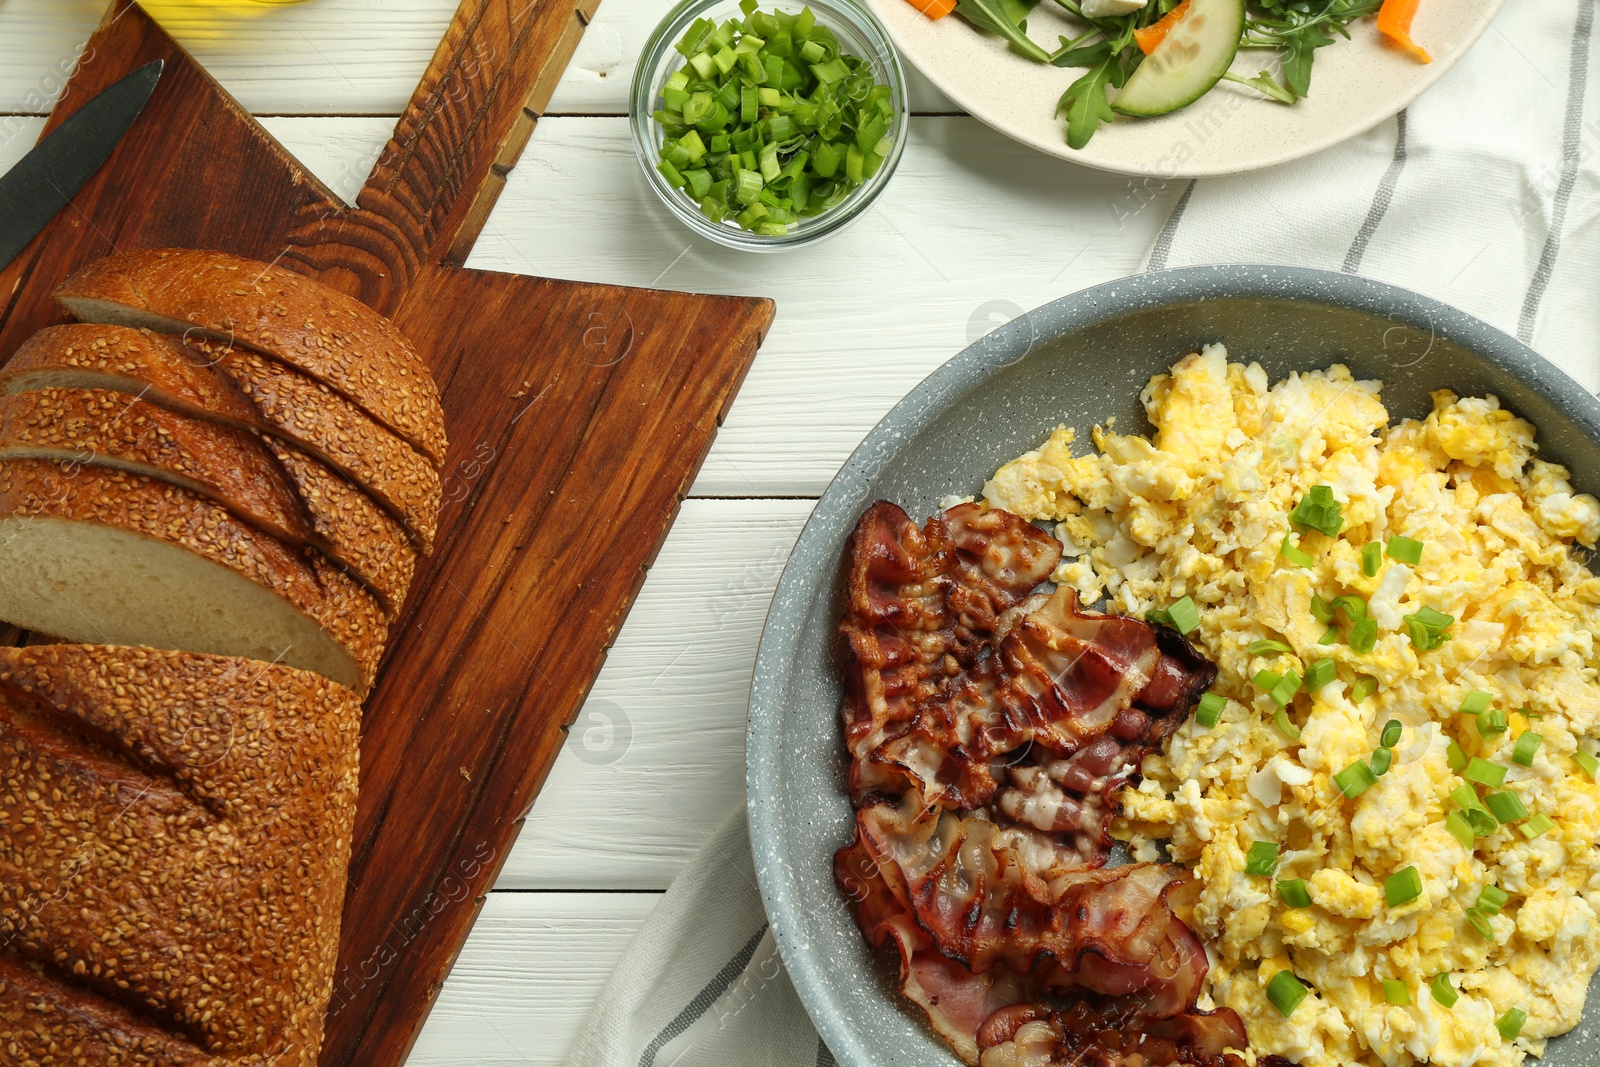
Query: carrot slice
1394	22
934	9
1149	36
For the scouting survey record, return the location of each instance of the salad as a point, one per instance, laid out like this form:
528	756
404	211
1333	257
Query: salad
1151	57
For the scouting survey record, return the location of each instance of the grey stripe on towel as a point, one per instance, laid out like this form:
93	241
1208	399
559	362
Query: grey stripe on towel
703	1000
1571	157
1163	246
1380	200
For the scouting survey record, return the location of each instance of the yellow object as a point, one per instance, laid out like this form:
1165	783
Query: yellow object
1200	510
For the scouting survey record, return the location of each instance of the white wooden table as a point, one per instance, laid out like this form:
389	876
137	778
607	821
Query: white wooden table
973	230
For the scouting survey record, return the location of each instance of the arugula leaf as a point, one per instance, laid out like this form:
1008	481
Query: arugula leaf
1299	49
1265	84
1008	18
1085	104
1083	56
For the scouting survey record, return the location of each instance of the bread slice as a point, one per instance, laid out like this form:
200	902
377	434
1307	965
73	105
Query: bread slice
337	340
173	868
91	554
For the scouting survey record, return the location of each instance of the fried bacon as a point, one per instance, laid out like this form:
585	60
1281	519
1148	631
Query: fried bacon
990	730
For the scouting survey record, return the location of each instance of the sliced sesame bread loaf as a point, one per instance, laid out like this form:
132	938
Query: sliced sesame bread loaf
173	867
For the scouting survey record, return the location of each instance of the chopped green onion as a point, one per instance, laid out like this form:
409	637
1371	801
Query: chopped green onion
1589	764
1537	826
1364	636
1456	758
1510	1024
1402	887
1405	550
1362	688
1466	798
1210	711
1352	607
1460	829
1285	690
1159	617
1286	992
1265	647
1526	746
1371	559
1507	807
1329	636
1442	991
1476	702
1429	628
1294	893
1391	733
1281	720
1355	779
1485	773
1320	610
1266	680
1491	724
1478	922
1320	674
1318	510
1396	992
1482	822
1382	760
1262	859
1185	616
1291	552
1491	898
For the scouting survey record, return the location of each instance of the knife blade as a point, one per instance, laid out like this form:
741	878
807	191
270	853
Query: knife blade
47	178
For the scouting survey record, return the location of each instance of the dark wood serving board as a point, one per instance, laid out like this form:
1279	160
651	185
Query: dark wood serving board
578	415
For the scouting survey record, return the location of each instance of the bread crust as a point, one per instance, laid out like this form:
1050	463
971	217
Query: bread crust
172	877
333	338
136	504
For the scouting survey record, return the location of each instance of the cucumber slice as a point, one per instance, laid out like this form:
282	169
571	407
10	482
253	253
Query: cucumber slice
1191	59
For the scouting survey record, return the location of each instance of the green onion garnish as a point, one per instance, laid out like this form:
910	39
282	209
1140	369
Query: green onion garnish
1159	617
1285	690
1476	702
1265	647
1429	628
1185	616
1537	826
1510	1024
1466	798
1442	991
1491	724
1482	822
1460	829
1262	859
1318	510
1491	898
1266	680
1355	779
1291	552
1351	607
1526	746
1286	992
1294	893
1589	764
1382	760
1479	923
1402	887
1396	992
1364	636
1209	713
1329	636
1281	720
1371	559
1507	807
1405	550
1456	758
1363	687
1320	674
1485	773
1320	609
795	124
1391	733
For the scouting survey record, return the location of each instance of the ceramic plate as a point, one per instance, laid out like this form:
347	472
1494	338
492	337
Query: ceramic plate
1078	360
1355	85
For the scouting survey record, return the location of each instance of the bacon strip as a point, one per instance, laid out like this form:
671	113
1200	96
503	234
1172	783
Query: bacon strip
990	732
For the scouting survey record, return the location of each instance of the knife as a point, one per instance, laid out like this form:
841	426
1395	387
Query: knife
47	178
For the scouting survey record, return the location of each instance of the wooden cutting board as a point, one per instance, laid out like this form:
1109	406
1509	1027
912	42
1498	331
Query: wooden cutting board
578	414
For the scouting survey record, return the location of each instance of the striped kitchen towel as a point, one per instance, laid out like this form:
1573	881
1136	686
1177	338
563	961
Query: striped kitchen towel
1484	193
702	985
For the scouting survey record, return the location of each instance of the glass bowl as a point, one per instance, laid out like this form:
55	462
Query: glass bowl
859	33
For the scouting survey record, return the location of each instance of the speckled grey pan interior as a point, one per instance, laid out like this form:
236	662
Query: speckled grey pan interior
1078	360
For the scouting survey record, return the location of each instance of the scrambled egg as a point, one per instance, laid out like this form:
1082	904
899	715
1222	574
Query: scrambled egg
1201	510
